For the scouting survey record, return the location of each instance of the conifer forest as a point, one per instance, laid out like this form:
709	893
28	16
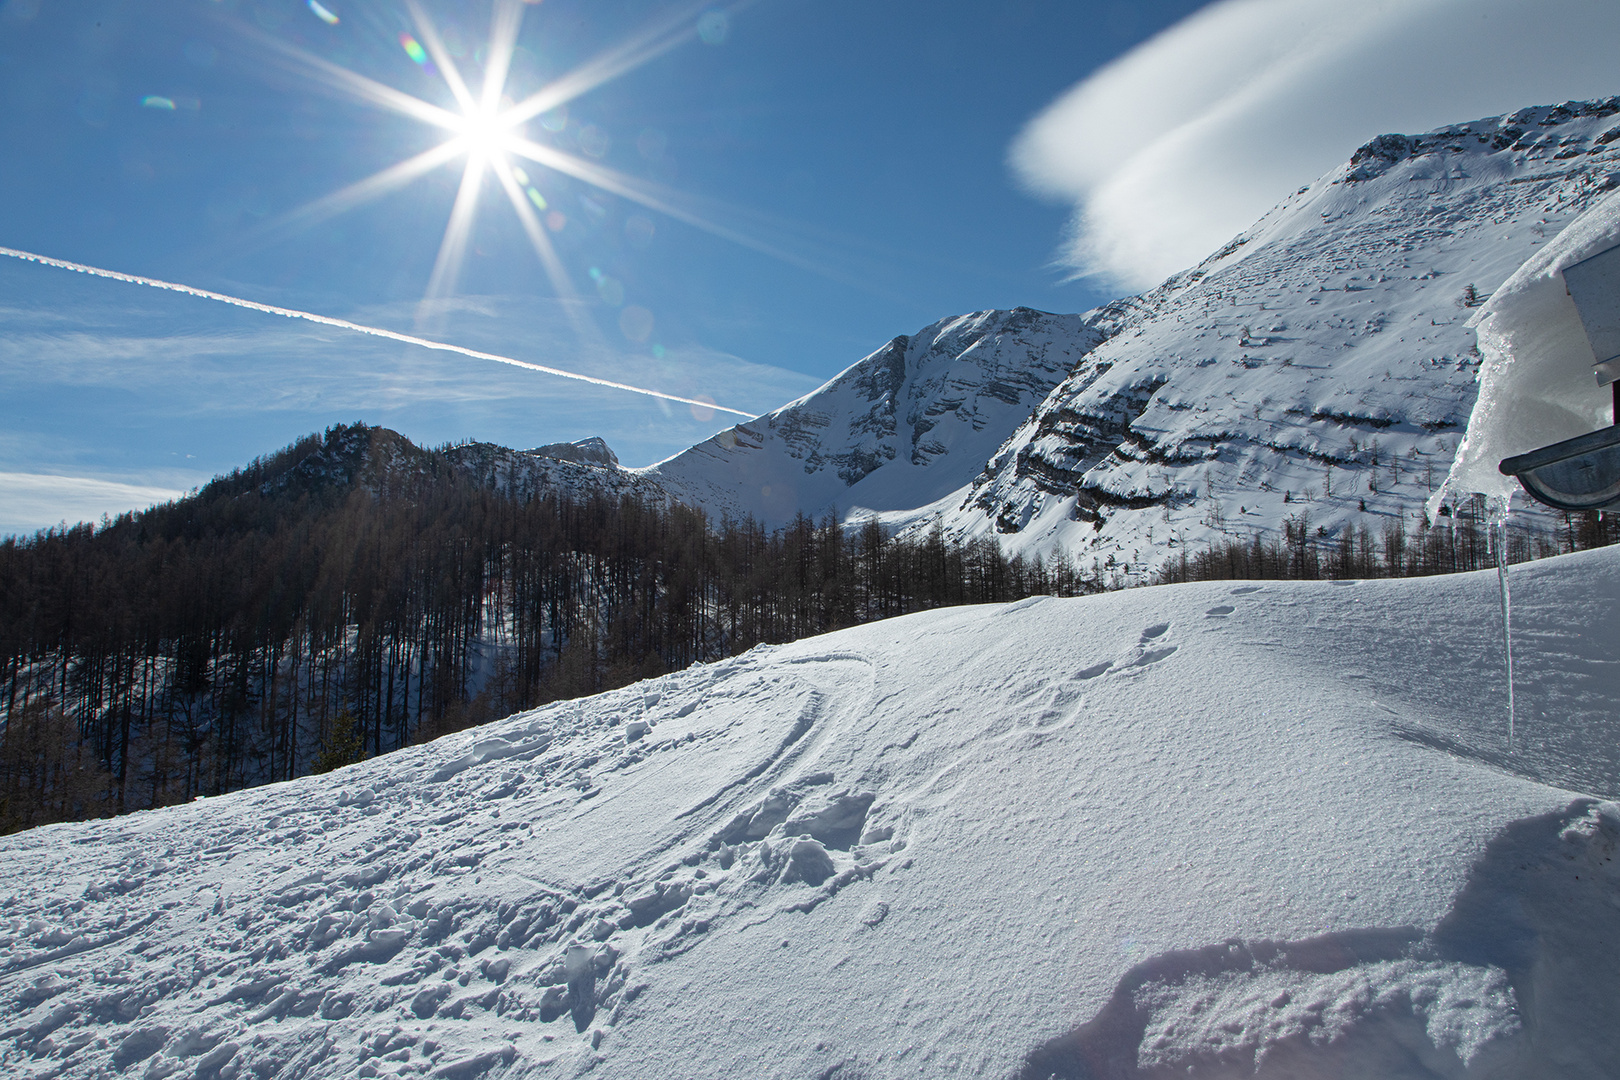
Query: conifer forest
353	594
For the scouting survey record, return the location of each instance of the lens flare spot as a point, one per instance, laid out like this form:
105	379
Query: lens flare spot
611	290
556	221
636	323
535	197
520	176
593	141
323	13
713	26
153	101
705	412
555	120
658	351
638	231
413	49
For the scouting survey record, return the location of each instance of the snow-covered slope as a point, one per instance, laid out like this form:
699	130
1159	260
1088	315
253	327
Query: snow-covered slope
909	424
1320	362
1171	831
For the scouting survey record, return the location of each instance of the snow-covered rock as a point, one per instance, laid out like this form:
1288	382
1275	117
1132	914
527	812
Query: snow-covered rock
1206	830
1322	367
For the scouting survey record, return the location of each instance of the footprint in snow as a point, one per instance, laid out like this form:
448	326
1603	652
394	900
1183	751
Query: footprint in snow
1156	630
1220	609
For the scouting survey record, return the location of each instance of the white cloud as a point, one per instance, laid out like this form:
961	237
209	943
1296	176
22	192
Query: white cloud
34	501
1174	148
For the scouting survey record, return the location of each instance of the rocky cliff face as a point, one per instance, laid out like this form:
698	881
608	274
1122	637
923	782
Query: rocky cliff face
909	424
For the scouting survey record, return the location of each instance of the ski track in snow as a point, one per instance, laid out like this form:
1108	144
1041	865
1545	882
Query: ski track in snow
1212	830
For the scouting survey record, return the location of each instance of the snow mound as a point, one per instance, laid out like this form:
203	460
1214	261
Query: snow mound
1210	830
1392	1002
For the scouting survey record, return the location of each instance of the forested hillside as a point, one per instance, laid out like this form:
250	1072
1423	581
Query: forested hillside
354	593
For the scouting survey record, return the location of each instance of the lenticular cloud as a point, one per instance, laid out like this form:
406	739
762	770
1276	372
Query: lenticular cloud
1175	147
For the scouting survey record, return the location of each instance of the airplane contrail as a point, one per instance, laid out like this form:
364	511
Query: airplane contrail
344	324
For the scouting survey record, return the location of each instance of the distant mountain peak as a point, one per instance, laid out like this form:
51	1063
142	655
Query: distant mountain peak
591	451
907	424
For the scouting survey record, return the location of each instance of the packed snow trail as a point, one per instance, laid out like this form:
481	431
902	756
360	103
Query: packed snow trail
1272	819
359	328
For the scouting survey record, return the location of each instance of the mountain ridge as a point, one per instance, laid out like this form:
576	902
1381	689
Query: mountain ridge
1320	366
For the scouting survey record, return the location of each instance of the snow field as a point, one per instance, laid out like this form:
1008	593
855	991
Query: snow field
1199	830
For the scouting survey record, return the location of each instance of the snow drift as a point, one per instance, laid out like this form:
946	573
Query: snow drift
1196	830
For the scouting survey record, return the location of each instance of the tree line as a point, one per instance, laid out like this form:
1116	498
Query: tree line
1460	541
354	593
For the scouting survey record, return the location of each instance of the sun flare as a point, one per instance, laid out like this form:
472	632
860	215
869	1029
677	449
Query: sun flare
484	136
487	133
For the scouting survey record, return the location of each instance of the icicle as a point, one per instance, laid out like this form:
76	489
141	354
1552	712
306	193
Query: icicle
1507	613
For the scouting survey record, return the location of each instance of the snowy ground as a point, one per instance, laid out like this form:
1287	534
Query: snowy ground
1172	831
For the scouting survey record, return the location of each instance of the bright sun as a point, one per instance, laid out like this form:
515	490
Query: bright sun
483	134
487	133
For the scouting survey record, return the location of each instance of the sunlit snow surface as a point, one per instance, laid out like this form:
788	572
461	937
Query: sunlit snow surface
1172	831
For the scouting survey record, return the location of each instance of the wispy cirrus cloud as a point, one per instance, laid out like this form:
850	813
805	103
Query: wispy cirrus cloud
30	502
179	363
1180	144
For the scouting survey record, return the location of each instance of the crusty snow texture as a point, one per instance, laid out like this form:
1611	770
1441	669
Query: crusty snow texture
1198	830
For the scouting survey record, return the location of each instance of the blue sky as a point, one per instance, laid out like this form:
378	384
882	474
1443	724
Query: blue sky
862	145
828	174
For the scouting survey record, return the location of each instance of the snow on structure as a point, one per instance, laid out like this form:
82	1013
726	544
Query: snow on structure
1536	383
1206	830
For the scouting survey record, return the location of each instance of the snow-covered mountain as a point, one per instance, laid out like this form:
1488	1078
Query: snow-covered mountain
909	424
1322	362
1209	830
